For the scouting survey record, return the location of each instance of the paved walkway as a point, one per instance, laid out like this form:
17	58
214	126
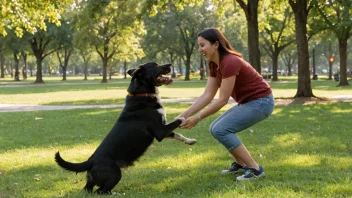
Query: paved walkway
28	107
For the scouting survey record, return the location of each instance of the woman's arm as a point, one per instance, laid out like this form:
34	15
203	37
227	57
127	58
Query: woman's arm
209	93
226	88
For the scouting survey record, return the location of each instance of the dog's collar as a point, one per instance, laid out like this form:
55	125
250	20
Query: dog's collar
143	94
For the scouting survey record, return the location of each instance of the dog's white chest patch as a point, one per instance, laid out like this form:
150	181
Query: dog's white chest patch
163	113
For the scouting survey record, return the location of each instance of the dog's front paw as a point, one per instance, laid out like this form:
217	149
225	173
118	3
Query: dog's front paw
180	118
190	141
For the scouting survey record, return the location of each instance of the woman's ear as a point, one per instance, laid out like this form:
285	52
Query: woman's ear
216	44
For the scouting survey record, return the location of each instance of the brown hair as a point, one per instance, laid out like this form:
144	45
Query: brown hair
213	35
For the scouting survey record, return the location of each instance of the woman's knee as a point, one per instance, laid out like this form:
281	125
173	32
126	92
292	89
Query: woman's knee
217	131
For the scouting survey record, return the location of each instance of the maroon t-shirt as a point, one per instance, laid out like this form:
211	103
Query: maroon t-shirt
249	84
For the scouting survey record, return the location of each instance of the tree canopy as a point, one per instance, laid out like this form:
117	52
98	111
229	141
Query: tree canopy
24	15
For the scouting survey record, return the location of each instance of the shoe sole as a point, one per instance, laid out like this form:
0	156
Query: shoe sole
226	172
240	178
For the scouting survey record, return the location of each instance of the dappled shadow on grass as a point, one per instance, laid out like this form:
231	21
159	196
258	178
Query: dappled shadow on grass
40	181
55	128
302	148
90	102
48	88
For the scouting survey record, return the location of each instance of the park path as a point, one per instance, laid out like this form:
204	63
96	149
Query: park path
29	107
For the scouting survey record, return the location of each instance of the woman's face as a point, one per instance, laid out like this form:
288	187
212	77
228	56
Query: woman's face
208	50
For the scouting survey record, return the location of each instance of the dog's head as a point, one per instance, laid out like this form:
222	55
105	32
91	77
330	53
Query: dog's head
148	76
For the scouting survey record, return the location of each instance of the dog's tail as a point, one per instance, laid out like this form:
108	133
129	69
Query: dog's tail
75	167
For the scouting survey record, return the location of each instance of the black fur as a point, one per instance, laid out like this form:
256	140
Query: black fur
141	120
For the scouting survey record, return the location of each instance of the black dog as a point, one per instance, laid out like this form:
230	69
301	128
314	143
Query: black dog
142	120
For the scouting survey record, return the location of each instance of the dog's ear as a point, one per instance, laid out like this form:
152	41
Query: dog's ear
130	72
136	72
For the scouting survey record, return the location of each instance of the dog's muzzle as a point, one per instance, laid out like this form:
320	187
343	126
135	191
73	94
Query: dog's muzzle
163	80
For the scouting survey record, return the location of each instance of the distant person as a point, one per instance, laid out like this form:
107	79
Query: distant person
235	78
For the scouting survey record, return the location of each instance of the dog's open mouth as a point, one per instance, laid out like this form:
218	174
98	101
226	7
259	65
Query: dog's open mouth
163	80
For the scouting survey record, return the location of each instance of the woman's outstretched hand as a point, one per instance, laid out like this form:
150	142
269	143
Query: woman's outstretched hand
189	123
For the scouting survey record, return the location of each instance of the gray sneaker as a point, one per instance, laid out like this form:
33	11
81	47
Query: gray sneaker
235	168
251	174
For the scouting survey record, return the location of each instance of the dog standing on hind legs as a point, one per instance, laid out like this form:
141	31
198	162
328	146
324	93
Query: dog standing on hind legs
141	120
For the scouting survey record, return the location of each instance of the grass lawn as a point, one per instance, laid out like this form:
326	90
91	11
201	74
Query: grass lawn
77	91
305	150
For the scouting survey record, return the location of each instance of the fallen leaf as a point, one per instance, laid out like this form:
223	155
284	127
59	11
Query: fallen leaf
38	118
2	172
37	177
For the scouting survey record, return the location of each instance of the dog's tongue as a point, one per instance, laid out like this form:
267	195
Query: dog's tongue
165	80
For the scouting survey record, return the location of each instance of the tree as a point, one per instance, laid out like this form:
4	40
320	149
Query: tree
337	17
289	57
161	32
329	47
190	21
2	57
65	40
41	45
16	46
277	34
251	11
107	23
30	16
301	9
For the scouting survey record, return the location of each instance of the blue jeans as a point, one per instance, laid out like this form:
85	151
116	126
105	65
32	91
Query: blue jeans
240	117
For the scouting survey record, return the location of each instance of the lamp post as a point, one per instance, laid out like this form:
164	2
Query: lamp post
331	61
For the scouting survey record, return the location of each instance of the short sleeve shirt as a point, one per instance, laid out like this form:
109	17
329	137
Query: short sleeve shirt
249	84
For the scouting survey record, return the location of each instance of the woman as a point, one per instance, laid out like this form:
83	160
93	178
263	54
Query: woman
237	79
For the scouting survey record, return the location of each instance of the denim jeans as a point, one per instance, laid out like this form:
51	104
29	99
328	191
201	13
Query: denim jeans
240	117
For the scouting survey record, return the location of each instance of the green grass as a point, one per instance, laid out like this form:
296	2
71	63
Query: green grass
305	150
82	92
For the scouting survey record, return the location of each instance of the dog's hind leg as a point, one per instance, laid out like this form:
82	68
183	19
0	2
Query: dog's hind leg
90	183
112	176
181	138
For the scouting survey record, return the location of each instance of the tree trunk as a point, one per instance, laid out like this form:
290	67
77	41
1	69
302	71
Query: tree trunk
201	69
85	70
39	76
304	88
24	71
105	60
188	67
2	62
275	63
253	35
180	66
343	61
64	70
330	70
105	67
125	69
17	70
251	11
